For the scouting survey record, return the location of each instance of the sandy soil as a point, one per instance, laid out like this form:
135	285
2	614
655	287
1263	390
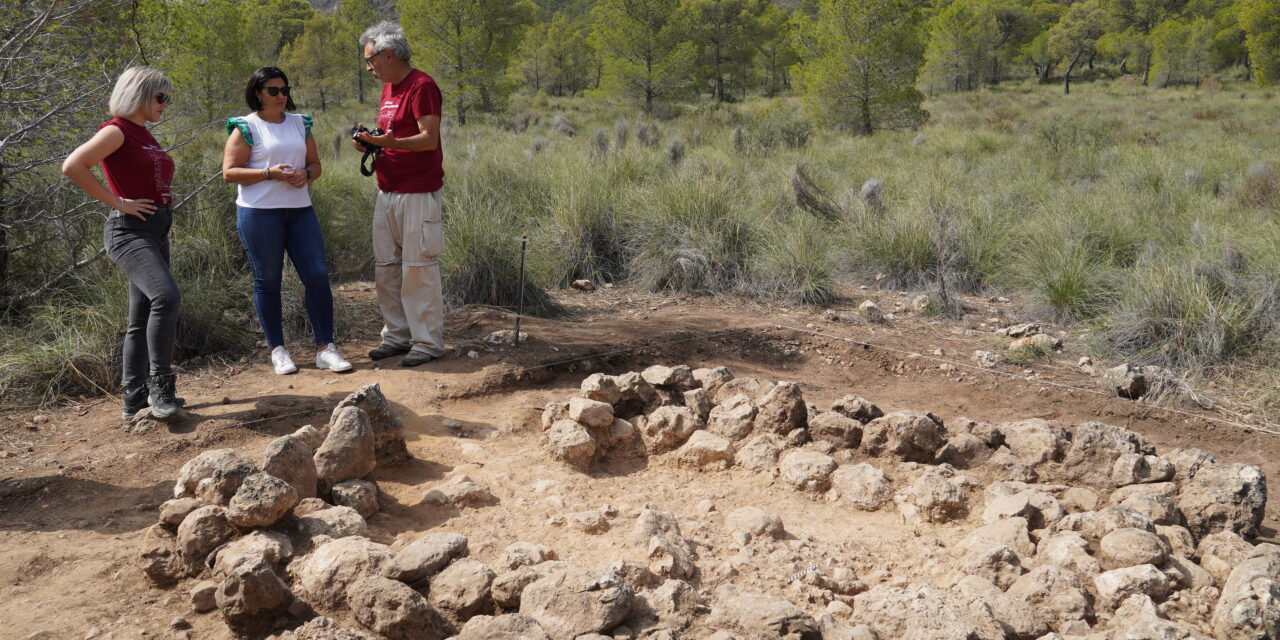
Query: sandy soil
76	491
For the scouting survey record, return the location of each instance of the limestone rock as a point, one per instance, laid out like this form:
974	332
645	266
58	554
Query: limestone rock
1249	608
223	483
997	564
383	421
931	498
1187	462
862	486
1224	498
1094	450
667	428
756	615
807	470
507	587
261	500
1131	547
460	491
204	596
753	388
520	554
1221	552
754	521
173	512
572	602
204	530
591	522
964	451
420	560
711	379
159	558
203	466
706	450
1057	594
601	388
1115	586
907	435
511	626
635	396
461	590
857	408
679	377
1010	532
1133	468
360	495
836	428
333	522
348	450
322	628
698	402
591	413
326	573
1022	621
1035	441
270	547
394	610
760	453
1068	551
925	613
291	460
781	410
251	598
734	418
570	443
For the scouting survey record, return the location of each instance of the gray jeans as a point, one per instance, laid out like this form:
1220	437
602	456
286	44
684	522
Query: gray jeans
141	249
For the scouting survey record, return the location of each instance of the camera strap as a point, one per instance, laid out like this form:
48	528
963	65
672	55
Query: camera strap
373	166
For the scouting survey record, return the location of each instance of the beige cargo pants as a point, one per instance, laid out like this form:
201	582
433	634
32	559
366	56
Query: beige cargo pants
408	239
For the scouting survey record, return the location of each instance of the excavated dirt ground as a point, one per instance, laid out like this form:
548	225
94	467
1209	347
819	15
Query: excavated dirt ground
77	492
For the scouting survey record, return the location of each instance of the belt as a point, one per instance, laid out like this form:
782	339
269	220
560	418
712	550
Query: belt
116	213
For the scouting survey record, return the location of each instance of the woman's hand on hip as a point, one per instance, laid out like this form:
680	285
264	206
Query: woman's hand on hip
139	208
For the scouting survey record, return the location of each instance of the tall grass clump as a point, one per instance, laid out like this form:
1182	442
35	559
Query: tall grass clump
1184	309
798	261
695	231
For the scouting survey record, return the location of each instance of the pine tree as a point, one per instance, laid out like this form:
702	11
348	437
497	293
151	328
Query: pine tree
725	35
1260	20
314	64
642	50
468	45
354	16
860	63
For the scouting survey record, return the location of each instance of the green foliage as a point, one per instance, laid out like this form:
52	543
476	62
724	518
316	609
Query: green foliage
557	58
644	54
963	41
468	45
1182	51
201	44
1260	20
860	64
725	35
315	64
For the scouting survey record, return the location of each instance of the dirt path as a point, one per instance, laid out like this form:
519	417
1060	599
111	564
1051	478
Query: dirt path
76	492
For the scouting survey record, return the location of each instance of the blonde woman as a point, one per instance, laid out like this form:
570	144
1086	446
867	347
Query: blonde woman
136	232
271	157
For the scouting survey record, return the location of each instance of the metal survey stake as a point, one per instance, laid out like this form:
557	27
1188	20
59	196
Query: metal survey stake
524	240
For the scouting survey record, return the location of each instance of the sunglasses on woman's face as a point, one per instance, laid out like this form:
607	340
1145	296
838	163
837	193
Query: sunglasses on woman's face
163	98
275	91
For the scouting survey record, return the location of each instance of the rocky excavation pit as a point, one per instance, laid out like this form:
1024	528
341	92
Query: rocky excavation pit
1022	530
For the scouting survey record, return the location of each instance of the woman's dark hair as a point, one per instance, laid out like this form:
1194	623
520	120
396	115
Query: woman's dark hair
259	78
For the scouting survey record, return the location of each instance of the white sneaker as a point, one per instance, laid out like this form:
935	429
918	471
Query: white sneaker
330	359
283	363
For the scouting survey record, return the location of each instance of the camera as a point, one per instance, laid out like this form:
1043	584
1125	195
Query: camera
370	150
360	128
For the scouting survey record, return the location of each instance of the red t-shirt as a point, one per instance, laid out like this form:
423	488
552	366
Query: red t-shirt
402	171
140	168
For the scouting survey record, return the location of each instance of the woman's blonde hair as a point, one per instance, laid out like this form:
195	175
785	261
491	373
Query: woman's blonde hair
135	88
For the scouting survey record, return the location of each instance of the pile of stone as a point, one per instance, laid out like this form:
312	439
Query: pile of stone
1078	532
234	525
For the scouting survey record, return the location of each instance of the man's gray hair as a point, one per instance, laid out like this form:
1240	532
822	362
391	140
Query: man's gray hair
135	89
387	35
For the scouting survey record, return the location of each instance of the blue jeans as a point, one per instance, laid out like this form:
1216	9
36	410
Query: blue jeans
267	235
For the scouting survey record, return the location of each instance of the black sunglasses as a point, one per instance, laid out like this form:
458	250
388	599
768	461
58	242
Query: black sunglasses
163	98
275	91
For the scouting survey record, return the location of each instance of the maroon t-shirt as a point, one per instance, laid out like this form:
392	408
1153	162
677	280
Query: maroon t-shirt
402	171
139	168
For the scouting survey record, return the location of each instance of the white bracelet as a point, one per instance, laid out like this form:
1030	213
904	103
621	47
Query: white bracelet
121	203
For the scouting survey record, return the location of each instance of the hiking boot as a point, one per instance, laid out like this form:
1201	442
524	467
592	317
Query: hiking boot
135	400
163	402
282	362
330	359
385	350
416	358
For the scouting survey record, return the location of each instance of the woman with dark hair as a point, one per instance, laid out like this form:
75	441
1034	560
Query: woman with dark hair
271	156
136	232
